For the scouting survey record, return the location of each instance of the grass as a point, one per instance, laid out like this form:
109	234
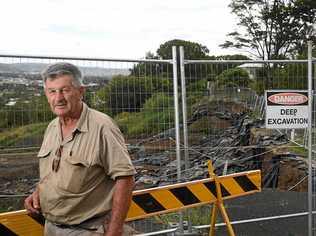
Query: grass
16	135
156	116
144	123
300	151
197	216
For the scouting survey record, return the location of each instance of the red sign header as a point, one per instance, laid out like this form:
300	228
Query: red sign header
290	98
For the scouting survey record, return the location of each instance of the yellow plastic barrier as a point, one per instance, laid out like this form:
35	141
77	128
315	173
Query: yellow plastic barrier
156	201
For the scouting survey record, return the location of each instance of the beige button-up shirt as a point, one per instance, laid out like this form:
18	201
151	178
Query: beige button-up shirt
92	157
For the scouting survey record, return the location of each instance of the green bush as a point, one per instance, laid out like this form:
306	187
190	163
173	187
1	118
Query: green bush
156	116
235	77
198	87
129	93
158	102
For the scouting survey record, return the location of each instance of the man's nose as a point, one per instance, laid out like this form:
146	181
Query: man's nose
59	95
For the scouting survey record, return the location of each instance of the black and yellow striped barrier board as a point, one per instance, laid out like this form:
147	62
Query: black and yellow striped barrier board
153	201
174	197
19	223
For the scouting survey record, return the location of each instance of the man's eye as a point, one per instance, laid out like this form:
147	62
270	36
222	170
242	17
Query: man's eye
65	90
52	91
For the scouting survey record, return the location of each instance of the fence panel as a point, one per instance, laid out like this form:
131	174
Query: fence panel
225	116
225	120
313	142
137	94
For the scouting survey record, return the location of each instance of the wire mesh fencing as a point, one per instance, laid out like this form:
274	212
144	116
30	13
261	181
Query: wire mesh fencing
222	119
137	94
225	119
119	88
311	134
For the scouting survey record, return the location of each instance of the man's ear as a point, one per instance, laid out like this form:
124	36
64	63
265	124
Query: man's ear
82	90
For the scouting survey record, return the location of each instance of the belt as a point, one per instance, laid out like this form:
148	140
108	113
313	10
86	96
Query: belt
79	226
85	224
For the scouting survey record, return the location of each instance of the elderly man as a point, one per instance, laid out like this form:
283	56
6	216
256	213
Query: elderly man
86	175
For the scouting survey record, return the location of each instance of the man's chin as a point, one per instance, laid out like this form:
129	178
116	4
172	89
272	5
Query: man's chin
60	113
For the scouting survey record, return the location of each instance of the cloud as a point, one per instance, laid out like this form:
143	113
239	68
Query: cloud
112	28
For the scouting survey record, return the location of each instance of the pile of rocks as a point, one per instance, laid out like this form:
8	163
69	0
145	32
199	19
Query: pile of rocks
237	143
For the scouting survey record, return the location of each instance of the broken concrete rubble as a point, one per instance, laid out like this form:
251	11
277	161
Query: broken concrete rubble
236	141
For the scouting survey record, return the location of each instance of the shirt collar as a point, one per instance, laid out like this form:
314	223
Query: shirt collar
82	124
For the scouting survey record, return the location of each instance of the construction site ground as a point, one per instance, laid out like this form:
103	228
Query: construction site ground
19	174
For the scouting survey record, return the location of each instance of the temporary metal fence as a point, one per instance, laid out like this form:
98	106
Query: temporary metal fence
137	94
175	115
227	84
311	141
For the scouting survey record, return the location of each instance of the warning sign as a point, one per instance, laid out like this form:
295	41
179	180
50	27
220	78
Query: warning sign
286	109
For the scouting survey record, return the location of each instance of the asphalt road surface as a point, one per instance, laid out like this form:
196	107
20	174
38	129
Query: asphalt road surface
265	204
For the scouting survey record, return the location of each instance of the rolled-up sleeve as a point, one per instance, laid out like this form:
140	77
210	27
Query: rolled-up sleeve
115	157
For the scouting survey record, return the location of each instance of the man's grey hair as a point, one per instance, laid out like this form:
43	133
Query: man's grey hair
55	70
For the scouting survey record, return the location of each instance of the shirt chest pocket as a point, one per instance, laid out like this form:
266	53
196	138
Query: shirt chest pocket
44	162
73	174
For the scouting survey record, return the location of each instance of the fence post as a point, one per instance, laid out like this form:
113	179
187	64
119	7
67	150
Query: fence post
185	125
310	170
184	110
177	123
176	111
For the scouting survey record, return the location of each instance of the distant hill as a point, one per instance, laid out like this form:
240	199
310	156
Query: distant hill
36	68
9	68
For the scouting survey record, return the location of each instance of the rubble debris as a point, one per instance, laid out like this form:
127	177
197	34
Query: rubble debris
242	142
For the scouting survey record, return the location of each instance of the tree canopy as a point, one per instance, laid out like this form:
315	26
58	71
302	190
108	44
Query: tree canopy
192	50
235	77
272	29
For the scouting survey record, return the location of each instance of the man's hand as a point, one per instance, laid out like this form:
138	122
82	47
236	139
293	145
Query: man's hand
32	203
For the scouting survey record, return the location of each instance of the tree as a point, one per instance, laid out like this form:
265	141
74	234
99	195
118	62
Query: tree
272	29
235	77
192	50
149	68
129	93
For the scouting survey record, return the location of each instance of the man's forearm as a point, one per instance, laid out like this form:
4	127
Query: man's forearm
121	201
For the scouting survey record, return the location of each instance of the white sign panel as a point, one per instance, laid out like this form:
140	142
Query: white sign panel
286	109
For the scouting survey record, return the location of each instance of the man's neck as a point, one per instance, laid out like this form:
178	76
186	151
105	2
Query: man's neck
69	123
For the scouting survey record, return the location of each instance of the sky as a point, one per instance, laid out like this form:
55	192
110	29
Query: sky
111	28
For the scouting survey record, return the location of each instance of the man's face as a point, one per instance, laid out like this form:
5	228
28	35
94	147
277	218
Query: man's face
63	98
